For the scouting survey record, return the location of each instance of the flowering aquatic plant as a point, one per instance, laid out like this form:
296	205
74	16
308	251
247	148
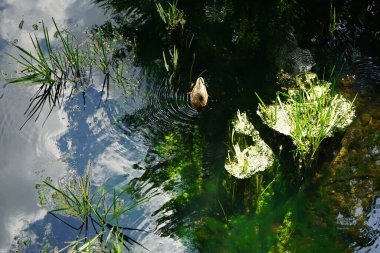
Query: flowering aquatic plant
244	163
308	114
242	125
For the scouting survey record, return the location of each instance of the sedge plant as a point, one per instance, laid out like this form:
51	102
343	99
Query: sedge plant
51	69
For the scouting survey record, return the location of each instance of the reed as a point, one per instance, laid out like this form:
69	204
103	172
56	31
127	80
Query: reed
332	24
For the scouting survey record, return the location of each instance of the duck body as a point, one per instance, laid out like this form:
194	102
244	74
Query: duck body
348	80
198	94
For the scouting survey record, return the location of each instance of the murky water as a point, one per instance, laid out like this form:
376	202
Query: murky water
158	145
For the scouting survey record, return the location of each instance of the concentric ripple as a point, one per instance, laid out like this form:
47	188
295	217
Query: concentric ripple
160	107
367	69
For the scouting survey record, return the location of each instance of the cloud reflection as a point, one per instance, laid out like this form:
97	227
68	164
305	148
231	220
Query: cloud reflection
28	155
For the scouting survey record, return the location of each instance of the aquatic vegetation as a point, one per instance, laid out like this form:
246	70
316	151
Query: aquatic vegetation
285	233
52	70
332	25
242	125
214	235
308	114
102	210
234	231
251	159
184	167
113	243
67	64
172	16
173	64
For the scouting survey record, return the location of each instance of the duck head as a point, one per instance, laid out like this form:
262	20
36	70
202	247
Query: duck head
198	94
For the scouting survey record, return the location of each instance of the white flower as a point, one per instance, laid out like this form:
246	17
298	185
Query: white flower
249	161
276	117
242	125
309	112
257	157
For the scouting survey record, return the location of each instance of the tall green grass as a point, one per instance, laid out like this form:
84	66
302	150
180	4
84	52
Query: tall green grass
332	24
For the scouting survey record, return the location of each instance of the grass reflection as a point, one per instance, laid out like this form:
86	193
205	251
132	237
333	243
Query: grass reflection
100	213
65	64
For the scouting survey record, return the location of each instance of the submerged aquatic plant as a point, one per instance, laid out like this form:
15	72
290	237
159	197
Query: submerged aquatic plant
308	114
100	210
251	159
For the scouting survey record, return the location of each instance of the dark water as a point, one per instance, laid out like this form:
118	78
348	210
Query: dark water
157	144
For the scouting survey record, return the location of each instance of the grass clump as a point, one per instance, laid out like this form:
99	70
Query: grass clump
247	159
52	69
58	63
99	211
308	113
172	16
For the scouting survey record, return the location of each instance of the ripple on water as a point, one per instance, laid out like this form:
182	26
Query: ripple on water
163	107
372	229
367	69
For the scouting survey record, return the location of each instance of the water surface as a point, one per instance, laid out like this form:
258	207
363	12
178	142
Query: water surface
155	143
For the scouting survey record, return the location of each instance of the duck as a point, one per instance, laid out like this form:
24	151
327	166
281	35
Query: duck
348	80
198	94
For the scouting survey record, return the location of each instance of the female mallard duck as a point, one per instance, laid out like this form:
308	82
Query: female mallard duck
198	94
348	80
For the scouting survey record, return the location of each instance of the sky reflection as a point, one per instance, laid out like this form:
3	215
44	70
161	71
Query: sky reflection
29	155
70	137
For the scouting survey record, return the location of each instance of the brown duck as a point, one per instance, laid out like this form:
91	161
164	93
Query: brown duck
198	94
348	80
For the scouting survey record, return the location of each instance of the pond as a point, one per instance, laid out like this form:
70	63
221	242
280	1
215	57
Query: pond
138	134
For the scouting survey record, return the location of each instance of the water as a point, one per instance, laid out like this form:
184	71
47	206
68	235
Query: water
155	143
31	154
